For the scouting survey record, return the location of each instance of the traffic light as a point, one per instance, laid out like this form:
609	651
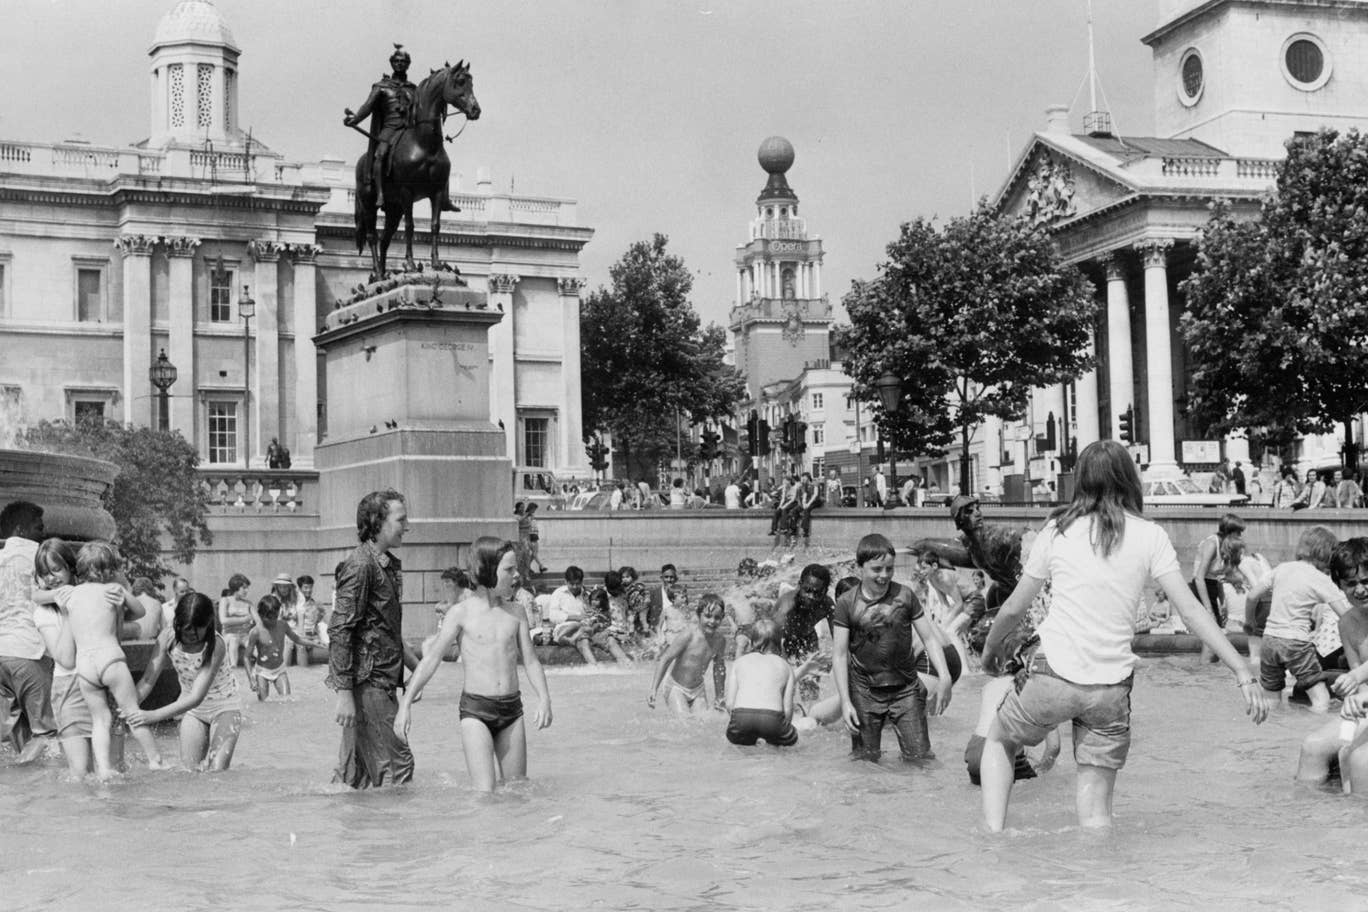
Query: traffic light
762	436
707	446
799	443
753	434
1127	434
597	452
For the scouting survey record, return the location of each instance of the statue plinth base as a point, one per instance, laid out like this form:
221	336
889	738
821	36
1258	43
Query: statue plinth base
407	374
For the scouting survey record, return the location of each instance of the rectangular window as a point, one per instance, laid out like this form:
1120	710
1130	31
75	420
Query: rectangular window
220	296
535	439
223	445
816	402
818	436
89	295
86	410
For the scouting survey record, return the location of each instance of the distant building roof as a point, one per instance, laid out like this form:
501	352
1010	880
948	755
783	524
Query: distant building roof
193	21
1127	148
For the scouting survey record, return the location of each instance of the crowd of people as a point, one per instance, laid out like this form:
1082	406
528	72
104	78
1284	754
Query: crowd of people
1048	615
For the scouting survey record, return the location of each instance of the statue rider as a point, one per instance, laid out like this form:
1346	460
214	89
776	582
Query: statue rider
389	104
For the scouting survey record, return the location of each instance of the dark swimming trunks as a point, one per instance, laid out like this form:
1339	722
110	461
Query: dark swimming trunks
748	725
973	756
497	713
952	660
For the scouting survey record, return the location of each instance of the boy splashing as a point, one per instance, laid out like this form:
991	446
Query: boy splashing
687	658
493	636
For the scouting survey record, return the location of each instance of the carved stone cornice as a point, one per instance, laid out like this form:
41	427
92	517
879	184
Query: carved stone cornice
304	254
1113	265
570	287
180	245
136	244
1154	253
266	251
503	283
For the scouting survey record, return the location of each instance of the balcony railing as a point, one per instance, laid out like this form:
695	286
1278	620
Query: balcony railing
782	229
260	491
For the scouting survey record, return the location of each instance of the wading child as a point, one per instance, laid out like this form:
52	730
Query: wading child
1298	586
760	692
209	705
265	649
493	637
1344	740
54	568
100	664
873	662
687	658
1098	553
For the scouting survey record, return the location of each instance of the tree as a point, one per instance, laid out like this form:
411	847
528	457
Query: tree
646	358
970	317
1277	305
156	494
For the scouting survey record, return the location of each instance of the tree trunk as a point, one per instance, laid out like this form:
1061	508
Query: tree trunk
964	459
1351	449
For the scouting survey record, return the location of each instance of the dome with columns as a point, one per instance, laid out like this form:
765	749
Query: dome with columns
193	21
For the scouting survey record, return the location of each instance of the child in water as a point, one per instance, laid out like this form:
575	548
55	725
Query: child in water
493	636
873	661
760	691
101	667
1098	553
265	649
687	658
209	705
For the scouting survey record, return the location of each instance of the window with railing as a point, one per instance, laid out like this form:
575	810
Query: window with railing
223	432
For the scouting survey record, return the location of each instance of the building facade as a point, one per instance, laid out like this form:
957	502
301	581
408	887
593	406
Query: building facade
110	256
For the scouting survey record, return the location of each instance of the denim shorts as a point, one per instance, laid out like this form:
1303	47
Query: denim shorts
1100	714
1277	656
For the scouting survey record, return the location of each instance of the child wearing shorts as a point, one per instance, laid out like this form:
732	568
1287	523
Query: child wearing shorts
1098	553
760	692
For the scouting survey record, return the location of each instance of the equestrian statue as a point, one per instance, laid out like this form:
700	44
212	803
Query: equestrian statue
406	159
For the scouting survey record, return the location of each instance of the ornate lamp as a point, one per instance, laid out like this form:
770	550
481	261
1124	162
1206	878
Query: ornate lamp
889	386
246	310
163	374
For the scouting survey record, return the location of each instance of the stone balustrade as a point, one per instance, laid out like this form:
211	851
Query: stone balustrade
260	491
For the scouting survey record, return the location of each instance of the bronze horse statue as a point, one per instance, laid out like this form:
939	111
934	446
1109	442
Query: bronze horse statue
418	167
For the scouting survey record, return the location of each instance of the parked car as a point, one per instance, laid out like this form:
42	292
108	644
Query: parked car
539	486
1179	491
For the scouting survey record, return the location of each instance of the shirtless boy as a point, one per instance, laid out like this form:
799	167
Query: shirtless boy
100	664
760	692
265	649
493	636
687	658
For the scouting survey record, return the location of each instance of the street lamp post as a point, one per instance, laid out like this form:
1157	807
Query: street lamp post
162	373
889	386
246	310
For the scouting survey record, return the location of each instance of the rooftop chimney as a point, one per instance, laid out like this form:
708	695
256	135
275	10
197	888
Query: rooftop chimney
1057	119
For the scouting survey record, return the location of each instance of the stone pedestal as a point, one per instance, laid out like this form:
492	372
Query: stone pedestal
407	366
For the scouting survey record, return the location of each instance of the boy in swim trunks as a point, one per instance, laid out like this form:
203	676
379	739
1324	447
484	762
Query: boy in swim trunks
493	636
687	658
101	668
760	692
265	650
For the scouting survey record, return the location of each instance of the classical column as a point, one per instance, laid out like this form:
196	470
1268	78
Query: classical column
1085	404
139	397
180	252
503	381
740	287
817	279
1120	371
265	414
990	432
1158	354
303	317
571	414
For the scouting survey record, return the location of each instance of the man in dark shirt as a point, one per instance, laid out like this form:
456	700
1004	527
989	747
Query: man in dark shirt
366	651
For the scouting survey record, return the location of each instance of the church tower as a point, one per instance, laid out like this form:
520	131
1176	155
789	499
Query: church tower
194	78
781	318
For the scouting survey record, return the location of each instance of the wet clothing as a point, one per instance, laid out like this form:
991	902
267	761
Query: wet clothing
749	725
366	656
973	759
222	695
497	713
1100	714
903	706
881	636
800	623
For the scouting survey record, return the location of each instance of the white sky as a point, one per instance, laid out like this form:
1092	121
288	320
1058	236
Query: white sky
649	113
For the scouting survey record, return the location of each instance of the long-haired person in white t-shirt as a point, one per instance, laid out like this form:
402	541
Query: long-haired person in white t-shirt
1099	553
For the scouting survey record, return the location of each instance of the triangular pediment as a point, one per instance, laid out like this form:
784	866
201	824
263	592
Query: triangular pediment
1051	182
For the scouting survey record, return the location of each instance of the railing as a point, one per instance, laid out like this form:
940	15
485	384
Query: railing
782	229
783	307
13	152
260	491
225	161
1191	167
1262	168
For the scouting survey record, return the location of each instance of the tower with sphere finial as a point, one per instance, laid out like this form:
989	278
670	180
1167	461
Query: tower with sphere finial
781	318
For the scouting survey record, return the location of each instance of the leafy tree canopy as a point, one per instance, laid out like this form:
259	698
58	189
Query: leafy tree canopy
1277	306
970	317
645	354
156	493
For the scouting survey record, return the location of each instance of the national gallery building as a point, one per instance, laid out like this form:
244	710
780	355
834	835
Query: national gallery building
206	245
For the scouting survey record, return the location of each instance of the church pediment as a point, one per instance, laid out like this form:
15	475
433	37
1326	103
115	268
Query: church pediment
1051	184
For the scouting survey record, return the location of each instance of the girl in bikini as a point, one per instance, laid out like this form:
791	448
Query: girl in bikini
209	692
